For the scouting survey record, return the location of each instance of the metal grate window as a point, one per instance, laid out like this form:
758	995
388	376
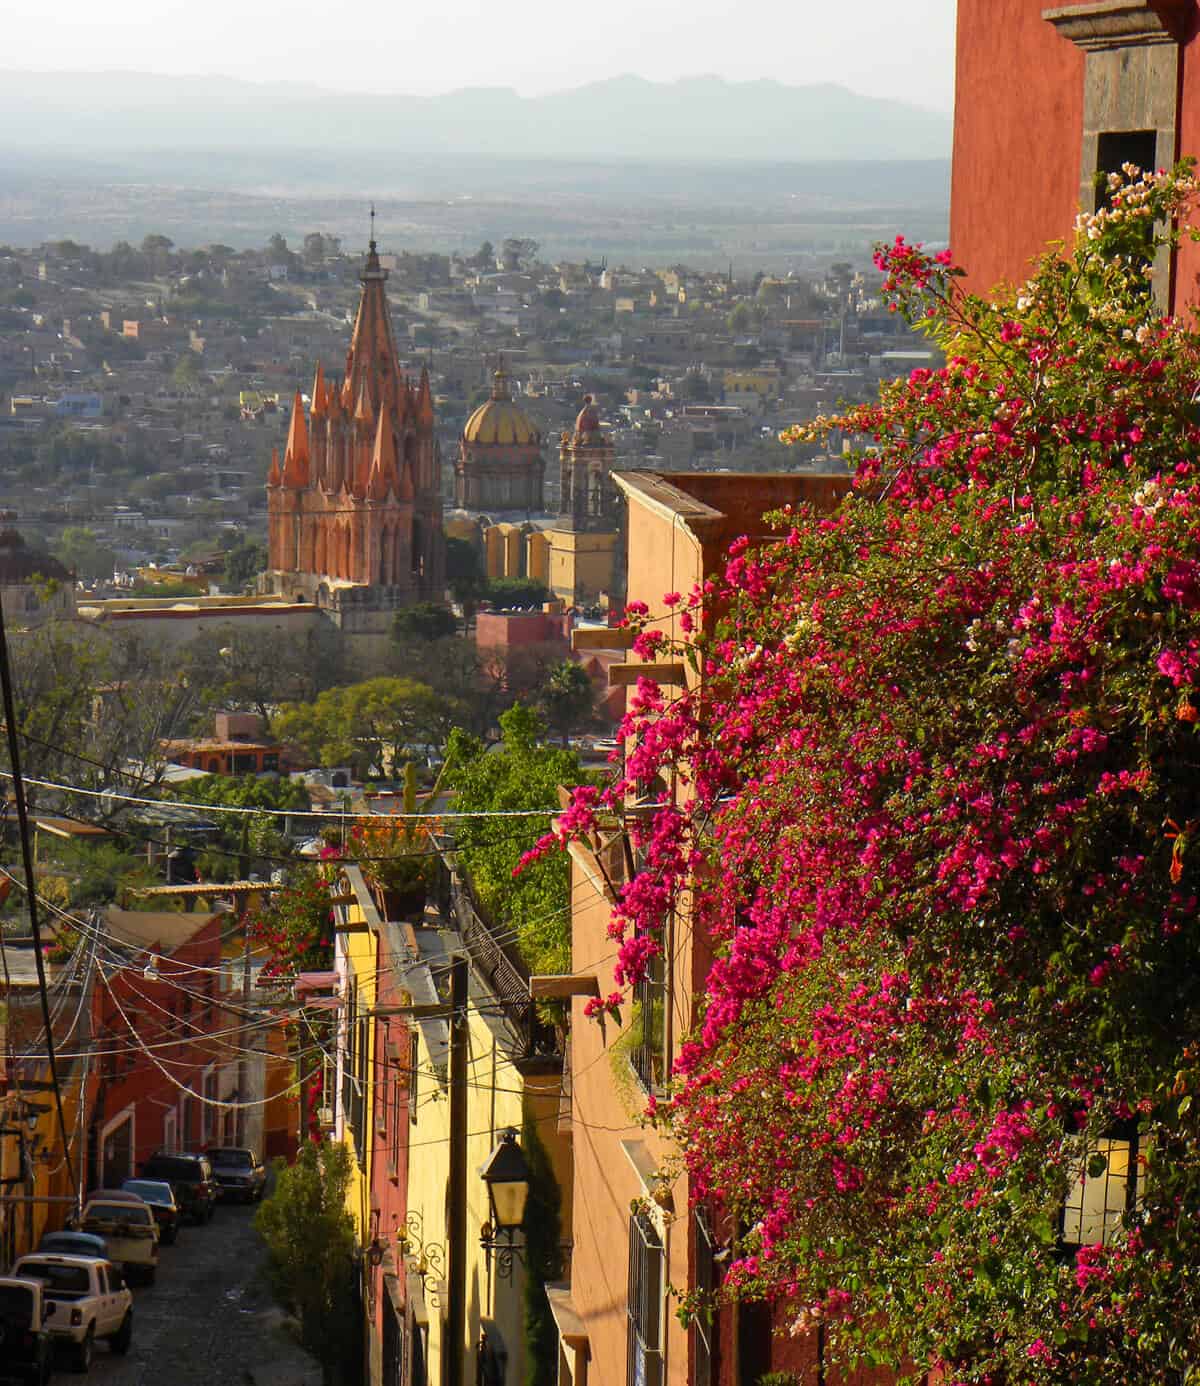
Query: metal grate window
649	1056
1104	1187
706	1323
645	1357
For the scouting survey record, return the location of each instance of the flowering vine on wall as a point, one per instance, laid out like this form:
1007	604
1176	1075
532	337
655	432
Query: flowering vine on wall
940	802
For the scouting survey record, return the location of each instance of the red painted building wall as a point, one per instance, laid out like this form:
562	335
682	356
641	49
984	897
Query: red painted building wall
1018	134
1018	124
156	1040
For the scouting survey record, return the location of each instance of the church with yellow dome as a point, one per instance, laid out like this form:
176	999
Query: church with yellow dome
499	464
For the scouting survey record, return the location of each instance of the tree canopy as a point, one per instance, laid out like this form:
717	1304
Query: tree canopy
311	1243
423	621
567	698
373	726
515	592
82	551
521	773
945	784
243	563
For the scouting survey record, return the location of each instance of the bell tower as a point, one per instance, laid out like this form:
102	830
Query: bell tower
354	509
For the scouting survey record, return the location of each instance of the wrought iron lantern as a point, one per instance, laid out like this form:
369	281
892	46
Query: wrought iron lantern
506	1175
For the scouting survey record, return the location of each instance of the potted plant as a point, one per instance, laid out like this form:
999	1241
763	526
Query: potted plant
398	858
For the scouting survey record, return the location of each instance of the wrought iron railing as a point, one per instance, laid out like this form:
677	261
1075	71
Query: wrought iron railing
500	965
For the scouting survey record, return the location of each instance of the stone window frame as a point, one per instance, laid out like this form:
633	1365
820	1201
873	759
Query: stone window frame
1132	55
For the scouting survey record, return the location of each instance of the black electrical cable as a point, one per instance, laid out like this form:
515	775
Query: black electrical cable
14	755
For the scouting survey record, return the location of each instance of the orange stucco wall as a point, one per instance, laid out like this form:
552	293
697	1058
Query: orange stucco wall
677	535
1018	128
606	1095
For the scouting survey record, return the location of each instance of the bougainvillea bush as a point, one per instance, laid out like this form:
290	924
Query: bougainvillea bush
940	804
294	929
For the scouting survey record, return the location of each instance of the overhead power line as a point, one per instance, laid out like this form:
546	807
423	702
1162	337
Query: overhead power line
325	815
35	928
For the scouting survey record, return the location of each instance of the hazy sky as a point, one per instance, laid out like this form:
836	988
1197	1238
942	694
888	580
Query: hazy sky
874	46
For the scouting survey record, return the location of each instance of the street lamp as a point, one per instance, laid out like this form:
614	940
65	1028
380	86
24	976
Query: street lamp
506	1175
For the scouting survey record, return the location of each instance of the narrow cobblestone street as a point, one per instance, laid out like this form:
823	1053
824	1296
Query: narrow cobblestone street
208	1321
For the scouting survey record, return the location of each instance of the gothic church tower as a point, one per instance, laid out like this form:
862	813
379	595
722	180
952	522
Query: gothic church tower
354	509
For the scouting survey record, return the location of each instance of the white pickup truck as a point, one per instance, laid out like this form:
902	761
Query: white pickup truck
127	1225
85	1299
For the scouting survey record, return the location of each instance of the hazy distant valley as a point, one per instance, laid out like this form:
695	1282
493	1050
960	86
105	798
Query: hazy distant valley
810	182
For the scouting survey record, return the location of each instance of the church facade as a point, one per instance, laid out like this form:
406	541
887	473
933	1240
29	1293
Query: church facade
579	557
499	465
354	506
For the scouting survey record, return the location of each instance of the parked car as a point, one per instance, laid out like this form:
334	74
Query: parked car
190	1176
239	1172
85	1299
68	1243
160	1197
24	1339
128	1226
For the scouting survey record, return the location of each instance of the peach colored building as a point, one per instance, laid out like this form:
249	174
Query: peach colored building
635	1229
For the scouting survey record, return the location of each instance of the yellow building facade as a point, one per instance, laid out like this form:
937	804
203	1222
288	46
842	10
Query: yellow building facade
504	1088
430	1071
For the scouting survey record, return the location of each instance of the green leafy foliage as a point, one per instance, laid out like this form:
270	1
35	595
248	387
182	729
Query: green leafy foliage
80	550
311	1242
943	802
243	563
567	698
295	927
371	725
515	592
520	773
424	621
543	1259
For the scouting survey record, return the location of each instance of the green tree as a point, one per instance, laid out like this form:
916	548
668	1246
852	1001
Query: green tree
98	873
543	1259
696	388
82	551
423	622
89	703
464	576
311	1243
514	591
740	319
273	796
186	375
567	698
257	672
243	563
370	725
521	774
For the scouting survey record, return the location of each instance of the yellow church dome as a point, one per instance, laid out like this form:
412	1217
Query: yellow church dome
498	421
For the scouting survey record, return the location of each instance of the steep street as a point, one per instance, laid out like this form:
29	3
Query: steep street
209	1320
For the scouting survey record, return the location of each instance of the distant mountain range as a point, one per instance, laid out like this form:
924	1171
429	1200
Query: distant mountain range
704	119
